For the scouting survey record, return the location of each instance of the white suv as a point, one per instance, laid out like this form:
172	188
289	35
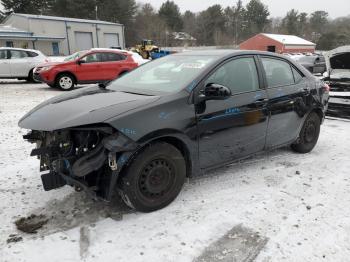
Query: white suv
19	63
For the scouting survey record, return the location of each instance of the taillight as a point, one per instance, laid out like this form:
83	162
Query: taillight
326	88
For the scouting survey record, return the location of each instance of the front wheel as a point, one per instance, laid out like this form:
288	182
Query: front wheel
65	82
154	178
308	135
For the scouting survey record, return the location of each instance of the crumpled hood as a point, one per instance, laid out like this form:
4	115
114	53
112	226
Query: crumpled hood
337	73
82	107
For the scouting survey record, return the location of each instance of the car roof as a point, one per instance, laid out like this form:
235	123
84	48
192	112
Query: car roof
107	50
222	53
21	49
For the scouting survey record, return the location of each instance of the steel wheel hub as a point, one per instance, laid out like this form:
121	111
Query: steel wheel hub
310	132
156	178
66	82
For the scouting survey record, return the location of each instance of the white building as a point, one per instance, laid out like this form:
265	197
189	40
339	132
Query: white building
59	35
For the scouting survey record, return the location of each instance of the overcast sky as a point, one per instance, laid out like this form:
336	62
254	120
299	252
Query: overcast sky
335	8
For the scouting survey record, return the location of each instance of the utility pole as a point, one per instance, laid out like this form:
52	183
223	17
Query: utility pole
236	31
96	9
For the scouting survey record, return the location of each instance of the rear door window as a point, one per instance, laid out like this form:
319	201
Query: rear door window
112	57
240	75
278	72
297	76
18	54
32	54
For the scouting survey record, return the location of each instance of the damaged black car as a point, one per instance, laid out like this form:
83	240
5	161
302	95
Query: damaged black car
143	134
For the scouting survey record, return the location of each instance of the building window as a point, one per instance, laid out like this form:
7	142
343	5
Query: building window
9	44
55	48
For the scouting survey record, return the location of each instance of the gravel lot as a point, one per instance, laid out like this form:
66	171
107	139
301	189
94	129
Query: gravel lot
278	206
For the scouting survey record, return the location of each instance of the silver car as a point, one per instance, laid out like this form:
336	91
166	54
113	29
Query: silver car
19	63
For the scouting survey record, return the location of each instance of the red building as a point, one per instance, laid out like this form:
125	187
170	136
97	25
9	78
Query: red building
278	44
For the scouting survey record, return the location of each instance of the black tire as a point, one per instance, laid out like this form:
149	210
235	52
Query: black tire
30	77
65	82
308	135
154	178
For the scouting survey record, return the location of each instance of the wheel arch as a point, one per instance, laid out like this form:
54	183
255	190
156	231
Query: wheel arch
31	71
319	112
181	146
178	140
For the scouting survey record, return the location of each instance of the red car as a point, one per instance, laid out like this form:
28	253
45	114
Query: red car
86	67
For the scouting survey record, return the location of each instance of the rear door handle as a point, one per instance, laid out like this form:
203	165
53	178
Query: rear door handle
305	90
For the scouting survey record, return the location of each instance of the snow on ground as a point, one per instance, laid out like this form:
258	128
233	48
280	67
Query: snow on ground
300	203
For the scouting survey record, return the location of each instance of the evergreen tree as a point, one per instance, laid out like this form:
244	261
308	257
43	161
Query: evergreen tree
189	22
256	17
318	21
290	24
27	6
170	13
119	11
210	26
84	9
235	23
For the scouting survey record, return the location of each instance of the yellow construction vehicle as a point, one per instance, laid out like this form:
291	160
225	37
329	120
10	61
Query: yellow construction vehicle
145	48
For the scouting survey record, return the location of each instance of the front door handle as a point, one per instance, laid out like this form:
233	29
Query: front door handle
261	101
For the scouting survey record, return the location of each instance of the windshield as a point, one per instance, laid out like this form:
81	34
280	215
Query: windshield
75	56
166	75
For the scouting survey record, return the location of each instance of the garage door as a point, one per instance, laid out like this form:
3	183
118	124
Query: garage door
83	40
111	39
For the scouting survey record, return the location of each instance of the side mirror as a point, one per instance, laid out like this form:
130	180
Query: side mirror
80	61
214	92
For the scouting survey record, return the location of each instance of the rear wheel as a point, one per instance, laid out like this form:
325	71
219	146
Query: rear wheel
65	82
154	178
308	135
30	77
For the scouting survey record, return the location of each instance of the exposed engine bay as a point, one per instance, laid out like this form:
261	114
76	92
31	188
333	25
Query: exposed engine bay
338	78
83	157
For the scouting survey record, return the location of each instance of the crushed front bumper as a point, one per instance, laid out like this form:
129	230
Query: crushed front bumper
339	100
95	171
339	107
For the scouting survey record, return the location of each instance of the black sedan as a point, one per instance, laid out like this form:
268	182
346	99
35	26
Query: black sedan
176	117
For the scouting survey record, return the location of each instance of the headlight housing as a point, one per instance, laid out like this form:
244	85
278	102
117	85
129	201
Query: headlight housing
45	68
